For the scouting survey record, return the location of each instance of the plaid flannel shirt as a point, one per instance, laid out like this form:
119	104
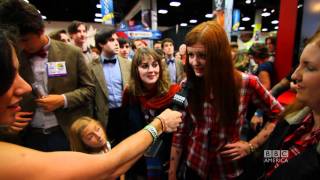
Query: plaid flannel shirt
207	136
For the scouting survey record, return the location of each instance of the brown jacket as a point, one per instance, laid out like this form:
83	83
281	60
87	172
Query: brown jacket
77	85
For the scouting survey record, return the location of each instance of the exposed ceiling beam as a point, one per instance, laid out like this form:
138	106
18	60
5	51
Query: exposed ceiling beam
133	11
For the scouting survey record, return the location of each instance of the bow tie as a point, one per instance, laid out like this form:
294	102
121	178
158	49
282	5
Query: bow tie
41	53
170	61
113	61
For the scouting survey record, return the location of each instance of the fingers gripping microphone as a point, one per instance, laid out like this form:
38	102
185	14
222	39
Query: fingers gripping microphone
179	102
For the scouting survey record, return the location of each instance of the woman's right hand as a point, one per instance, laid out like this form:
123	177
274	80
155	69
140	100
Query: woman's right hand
171	120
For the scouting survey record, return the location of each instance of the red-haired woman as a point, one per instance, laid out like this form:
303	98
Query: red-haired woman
218	101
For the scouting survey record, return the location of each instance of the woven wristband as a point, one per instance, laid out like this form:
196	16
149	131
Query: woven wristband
152	130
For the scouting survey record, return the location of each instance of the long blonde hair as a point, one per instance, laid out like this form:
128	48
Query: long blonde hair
75	138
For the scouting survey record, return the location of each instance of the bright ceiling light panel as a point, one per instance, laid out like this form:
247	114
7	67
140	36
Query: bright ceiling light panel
246	19
175	4
209	15
193	21
183	24
162	11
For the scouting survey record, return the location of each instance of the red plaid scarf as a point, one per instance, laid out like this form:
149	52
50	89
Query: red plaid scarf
294	142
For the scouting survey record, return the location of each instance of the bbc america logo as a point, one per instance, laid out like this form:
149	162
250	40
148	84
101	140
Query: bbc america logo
273	156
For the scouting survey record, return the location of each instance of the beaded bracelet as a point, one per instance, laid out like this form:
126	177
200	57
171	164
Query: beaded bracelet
163	124
152	130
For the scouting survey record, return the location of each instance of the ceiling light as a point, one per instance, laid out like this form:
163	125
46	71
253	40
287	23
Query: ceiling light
253	25
44	17
98	6
209	15
26	1
265	9
272	11
193	21
300	6
274	22
97	20
248	1
315	7
265	14
264	29
98	15
242	28
183	24
246	19
162	11
276	27
175	4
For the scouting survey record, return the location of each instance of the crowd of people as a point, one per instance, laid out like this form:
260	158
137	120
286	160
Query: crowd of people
72	111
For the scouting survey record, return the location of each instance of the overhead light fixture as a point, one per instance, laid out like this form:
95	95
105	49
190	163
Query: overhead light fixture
26	1
264	29
209	15
253	25
183	24
315	7
300	6
276	27
193	21
44	17
245	19
274	22
98	14
162	11
175	3
248	1
265	14
97	20
265	9
98	6
242	28
272	11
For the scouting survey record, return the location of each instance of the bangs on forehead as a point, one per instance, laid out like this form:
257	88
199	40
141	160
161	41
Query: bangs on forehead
146	57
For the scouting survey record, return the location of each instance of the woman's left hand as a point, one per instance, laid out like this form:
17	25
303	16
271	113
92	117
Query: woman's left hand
236	151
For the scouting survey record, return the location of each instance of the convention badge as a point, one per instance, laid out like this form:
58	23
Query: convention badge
56	69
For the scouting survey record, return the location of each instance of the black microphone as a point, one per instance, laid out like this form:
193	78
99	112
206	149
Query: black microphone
179	100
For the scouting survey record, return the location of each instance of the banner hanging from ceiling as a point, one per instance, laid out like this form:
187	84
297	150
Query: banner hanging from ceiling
107	12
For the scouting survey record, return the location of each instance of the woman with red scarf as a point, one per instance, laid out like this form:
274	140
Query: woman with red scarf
149	93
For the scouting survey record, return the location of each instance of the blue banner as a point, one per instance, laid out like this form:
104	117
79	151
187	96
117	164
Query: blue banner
235	19
107	11
144	34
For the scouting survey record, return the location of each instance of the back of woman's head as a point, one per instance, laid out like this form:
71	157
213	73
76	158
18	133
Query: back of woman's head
75	134
136	85
7	70
219	75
